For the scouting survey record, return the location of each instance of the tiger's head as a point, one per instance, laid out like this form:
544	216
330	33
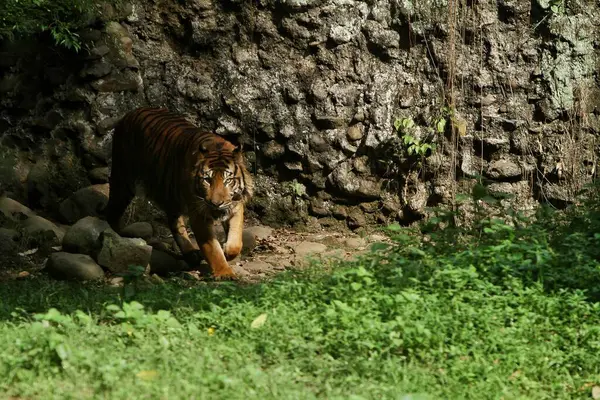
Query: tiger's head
221	182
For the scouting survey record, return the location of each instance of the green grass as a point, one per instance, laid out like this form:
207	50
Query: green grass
493	311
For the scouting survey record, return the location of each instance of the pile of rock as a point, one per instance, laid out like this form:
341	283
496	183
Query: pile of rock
89	247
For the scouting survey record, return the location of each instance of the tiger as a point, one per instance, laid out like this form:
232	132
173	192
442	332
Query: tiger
185	171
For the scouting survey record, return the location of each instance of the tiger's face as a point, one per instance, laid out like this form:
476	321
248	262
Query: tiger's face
219	189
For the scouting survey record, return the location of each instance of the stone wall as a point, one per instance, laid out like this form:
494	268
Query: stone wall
509	90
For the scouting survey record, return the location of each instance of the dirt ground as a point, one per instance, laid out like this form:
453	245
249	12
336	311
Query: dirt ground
267	251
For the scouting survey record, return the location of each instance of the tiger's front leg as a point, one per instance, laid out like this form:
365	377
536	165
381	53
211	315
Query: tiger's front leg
189	251
180	235
234	229
210	247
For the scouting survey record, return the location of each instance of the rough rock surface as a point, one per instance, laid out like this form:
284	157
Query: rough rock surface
138	230
14	210
34	226
69	266
83	237
118	253
88	201
509	90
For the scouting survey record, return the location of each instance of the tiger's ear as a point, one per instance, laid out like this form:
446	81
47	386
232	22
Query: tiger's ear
239	147
238	152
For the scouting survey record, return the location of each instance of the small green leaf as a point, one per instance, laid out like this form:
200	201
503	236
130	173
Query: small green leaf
147	375
394	227
479	191
489	199
379	246
120	314
259	321
461	198
441	125
62	351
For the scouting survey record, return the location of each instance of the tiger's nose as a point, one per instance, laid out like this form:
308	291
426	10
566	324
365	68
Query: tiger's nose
217	203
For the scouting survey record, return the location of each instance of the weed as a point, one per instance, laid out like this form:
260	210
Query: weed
61	18
414	145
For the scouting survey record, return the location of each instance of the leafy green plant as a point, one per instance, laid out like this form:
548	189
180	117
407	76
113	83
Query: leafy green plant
298	189
405	126
554	8
557	6
131	279
60	18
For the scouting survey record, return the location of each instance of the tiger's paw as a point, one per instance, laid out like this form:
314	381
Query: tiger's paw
231	251
225	275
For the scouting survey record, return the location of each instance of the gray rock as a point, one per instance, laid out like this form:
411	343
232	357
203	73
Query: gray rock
89	201
347	182
417	198
98	146
100	51
56	176
257	267
138	230
118	82
260	232
293	166
106	125
504	169
556	192
99	175
118	253
240	271
354	133
273	150
97	70
381	37
343	34
70	266
355	242
308	248
376	238
340	212
36	225
356	219
83	236
248	242
318	207
14	210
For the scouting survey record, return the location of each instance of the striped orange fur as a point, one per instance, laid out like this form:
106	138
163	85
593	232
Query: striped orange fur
185	171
